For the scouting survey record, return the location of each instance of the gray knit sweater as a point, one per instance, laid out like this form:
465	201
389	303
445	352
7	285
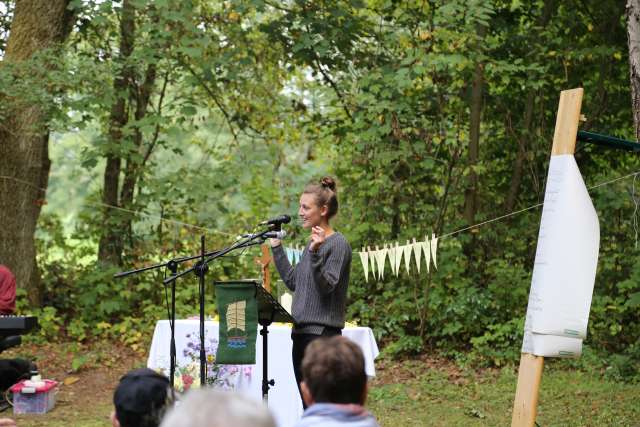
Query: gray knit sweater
319	284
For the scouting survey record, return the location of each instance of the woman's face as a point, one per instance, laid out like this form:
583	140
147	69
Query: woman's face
310	213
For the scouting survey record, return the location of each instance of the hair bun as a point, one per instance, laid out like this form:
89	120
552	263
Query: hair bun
328	182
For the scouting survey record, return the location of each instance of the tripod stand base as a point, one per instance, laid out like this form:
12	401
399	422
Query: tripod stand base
266	383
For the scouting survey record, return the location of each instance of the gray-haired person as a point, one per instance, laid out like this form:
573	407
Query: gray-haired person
213	408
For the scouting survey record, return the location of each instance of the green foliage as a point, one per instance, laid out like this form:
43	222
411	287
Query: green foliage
260	97
496	347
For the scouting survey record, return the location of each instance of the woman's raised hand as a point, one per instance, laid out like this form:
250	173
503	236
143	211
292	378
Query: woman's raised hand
318	235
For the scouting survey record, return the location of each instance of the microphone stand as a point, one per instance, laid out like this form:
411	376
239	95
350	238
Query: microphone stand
172	265
200	269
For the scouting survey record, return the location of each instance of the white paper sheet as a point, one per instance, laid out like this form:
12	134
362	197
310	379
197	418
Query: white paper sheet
552	345
565	264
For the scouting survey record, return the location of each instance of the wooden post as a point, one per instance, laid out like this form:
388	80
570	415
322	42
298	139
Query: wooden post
525	405
264	264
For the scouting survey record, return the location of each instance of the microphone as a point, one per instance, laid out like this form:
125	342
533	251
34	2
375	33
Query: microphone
282	219
280	234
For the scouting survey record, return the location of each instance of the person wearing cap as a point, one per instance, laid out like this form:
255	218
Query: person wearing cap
140	399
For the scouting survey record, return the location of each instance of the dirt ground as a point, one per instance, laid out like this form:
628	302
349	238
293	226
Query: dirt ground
87	377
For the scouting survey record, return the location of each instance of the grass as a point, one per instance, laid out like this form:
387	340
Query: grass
425	392
433	396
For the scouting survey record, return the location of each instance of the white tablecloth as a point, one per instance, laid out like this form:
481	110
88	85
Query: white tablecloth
284	400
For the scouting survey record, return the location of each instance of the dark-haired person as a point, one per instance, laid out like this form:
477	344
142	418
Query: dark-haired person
319	281
140	399
334	385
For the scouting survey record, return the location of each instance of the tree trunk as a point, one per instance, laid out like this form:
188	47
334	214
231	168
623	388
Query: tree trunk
633	38
111	241
471	194
37	25
518	165
123	168
548	10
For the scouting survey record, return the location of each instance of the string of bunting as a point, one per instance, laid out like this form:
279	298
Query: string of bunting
294	254
374	260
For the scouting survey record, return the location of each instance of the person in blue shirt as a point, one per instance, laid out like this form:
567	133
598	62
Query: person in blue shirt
334	385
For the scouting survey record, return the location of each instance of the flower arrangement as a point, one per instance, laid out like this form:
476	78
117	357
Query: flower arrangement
219	376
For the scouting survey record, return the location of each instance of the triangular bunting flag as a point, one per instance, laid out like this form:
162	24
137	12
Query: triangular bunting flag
417	252
381	258
399	252
434	249
426	249
392	258
364	258
407	249
372	259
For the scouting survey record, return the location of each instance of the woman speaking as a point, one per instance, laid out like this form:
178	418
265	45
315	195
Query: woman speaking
319	281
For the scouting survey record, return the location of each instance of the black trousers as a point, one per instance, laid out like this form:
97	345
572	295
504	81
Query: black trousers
300	343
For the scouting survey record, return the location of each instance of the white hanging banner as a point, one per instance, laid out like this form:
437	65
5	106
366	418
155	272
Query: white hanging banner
407	249
364	259
417	252
434	249
565	264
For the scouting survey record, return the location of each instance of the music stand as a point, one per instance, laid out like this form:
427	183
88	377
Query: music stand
269	311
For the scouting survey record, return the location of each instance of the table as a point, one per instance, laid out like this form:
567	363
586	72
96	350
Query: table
284	400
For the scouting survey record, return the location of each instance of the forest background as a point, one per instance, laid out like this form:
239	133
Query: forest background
129	129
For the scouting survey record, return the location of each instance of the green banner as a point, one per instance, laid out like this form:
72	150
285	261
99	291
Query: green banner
238	311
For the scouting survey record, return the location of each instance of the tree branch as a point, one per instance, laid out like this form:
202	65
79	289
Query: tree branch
214	97
156	131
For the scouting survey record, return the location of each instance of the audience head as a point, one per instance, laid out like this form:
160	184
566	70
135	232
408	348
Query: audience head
213	408
333	372
140	399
